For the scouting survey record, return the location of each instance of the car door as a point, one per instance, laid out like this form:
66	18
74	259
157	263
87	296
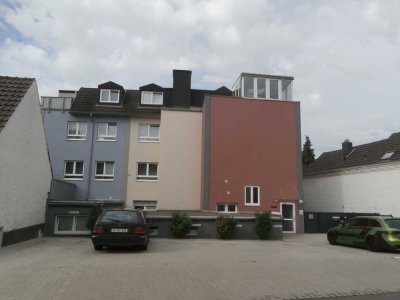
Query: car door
352	231
360	231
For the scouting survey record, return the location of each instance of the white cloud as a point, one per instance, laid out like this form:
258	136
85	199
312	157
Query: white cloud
344	55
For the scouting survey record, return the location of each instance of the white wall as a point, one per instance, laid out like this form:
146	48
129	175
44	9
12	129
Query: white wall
24	166
372	189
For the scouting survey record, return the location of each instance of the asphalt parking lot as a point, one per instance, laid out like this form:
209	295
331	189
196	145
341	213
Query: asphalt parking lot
300	266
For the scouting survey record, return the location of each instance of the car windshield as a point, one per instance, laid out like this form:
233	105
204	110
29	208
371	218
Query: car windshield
120	216
393	223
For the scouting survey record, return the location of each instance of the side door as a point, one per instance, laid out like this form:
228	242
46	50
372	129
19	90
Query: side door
360	231
350	233
289	217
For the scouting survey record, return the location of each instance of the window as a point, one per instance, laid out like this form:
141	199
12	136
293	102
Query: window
248	87
152	98
286	90
273	89
387	155
374	223
363	222
113	216
73	170
261	88
77	131
252	195
71	224
149	132
145	205
109	96
227	208
147	171
107	131
104	170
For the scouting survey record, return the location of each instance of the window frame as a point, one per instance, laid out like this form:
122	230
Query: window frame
146	177
104	176
74	224
148	138
152	98
226	208
252	195
145	204
75	176
107	137
76	136
109	95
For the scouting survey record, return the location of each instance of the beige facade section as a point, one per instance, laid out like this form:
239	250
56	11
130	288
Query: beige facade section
178	154
141	152
180	160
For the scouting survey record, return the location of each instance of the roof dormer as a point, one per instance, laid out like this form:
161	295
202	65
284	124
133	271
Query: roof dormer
151	94
259	86
110	93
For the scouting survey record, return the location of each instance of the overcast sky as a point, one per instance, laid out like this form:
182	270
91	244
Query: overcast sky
344	55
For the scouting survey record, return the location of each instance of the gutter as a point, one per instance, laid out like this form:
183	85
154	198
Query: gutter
90	158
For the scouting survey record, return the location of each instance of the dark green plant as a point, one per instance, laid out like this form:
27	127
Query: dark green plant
93	215
225	226
263	225
308	156
180	224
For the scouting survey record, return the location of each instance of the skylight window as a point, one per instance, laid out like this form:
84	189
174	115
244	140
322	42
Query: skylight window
387	155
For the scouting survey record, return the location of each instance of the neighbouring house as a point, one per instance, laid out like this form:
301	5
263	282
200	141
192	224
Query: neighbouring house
25	172
164	149
361	179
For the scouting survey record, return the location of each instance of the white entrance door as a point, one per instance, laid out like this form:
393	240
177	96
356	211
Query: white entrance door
289	217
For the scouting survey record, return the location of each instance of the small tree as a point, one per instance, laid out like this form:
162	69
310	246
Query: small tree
308	156
263	225
93	215
180	224
225	226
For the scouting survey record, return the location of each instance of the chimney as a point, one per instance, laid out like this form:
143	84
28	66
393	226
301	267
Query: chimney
347	147
181	88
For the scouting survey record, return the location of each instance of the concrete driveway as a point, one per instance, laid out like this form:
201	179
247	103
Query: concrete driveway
300	266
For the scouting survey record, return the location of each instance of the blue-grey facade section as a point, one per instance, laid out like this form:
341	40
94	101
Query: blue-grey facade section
89	151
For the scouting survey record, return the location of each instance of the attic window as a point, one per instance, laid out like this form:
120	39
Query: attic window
109	96
152	98
387	155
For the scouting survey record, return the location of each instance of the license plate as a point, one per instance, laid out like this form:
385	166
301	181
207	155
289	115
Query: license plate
119	229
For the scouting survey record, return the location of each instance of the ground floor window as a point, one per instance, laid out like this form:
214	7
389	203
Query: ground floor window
145	205
227	207
71	225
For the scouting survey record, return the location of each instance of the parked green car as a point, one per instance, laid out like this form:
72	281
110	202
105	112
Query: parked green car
375	233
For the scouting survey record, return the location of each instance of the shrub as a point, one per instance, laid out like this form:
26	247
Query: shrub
180	224
263	225
225	226
93	215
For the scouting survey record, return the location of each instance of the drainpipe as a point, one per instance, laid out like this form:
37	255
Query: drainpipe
90	157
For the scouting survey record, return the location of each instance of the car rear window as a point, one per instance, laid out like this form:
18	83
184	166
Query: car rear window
393	223
120	216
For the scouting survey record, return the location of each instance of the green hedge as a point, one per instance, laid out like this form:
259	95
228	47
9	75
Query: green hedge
263	225
225	226
180	224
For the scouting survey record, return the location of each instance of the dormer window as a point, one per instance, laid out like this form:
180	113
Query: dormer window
109	96
152	98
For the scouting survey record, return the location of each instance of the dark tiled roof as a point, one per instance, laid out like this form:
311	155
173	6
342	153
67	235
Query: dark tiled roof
12	90
86	101
361	155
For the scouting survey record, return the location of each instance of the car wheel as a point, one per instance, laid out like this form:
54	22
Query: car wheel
372	244
332	236
98	247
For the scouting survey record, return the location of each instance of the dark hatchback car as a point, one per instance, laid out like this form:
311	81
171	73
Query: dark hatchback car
120	228
375	233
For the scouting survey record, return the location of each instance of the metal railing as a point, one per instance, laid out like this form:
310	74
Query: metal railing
62	191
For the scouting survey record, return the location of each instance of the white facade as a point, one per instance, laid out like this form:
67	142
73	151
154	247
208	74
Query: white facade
366	189
25	173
